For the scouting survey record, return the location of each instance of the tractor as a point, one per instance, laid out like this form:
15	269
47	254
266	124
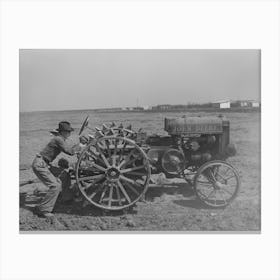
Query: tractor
113	170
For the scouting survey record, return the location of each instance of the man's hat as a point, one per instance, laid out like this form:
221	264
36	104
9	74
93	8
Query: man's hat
62	126
65	126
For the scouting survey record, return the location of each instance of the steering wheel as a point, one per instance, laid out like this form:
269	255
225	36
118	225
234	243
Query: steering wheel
85	123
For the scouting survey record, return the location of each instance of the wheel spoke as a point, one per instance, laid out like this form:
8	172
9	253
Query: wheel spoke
225	190
222	177
124	192
118	194
95	192
221	192
88	178
232	176
227	171
130	181
103	193
125	161
98	167
215	171
116	146
114	160
128	162
132	188
208	196
212	175
108	149
92	184
132	169
91	154
114	156
100	146
110	196
103	156
94	151
122	151
87	186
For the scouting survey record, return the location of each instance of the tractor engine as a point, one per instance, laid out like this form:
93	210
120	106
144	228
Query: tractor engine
191	141
170	153
200	148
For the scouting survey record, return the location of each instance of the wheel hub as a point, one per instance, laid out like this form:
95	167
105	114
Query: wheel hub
112	174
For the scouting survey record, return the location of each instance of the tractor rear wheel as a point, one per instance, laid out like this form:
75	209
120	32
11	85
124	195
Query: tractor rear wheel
113	172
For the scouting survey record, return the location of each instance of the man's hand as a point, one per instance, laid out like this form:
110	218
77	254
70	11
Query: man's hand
63	163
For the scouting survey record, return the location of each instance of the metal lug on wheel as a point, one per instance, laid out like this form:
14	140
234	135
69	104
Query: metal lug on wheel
99	134
104	127
111	132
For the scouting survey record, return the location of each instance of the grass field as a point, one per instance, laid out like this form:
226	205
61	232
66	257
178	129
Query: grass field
170	204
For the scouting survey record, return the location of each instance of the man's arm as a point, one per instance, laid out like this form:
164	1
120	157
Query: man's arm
74	149
64	147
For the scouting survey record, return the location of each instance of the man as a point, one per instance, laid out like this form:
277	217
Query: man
41	167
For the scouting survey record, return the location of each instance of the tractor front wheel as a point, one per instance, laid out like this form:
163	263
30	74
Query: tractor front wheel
216	183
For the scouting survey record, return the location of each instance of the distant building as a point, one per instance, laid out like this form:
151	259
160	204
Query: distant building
137	108
254	103
221	104
179	107
163	107
243	103
147	107
108	109
246	103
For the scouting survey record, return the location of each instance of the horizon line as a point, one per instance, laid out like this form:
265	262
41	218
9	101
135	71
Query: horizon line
103	108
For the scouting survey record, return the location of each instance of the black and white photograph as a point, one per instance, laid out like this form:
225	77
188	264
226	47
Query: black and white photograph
140	140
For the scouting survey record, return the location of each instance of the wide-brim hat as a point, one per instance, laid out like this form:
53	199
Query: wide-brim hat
63	126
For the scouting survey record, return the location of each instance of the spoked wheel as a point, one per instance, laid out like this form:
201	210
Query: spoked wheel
216	183
113	130
113	173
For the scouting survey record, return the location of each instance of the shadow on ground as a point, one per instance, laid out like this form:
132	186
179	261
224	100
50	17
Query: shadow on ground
169	189
192	203
153	192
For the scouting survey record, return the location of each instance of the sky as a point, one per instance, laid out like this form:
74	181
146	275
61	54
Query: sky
89	79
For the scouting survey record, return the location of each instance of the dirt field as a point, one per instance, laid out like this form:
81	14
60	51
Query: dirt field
169	205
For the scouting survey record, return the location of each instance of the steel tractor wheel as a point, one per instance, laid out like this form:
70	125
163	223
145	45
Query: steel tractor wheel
113	172
113	130
216	183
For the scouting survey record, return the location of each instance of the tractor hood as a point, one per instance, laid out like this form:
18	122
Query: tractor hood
195	125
